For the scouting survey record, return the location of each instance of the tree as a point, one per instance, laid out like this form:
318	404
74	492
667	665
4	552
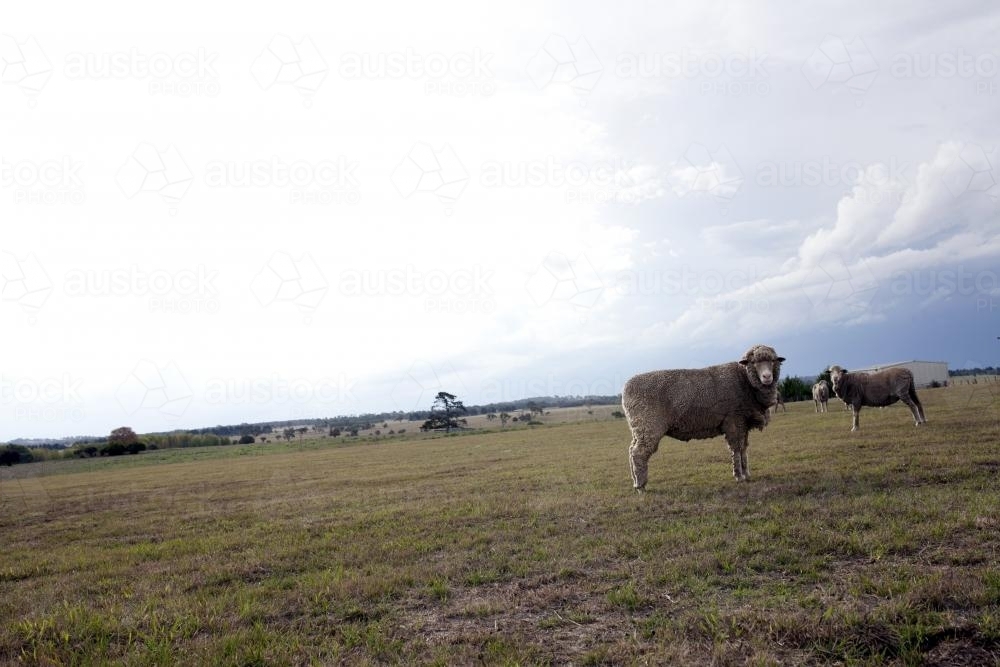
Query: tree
302	430
9	457
503	419
444	413
246	439
288	433
825	375
335	432
794	389
123	436
491	416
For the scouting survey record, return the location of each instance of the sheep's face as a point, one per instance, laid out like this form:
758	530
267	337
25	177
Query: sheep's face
765	371
764	362
836	376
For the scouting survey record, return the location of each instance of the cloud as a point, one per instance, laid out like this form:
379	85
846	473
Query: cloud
858	269
761	237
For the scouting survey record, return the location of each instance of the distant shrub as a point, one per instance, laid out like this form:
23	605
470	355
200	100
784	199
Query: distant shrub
246	440
534	422
618	414
113	449
135	447
9	457
935	384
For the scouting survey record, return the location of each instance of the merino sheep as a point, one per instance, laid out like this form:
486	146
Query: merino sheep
821	394
877	390
693	404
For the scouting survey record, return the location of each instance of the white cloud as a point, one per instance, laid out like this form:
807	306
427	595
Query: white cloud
842	269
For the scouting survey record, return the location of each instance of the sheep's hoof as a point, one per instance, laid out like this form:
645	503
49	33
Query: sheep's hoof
640	489
854	429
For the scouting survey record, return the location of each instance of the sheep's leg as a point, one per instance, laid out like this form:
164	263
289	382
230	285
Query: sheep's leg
641	449
907	398
737	440
855	415
920	406
744	460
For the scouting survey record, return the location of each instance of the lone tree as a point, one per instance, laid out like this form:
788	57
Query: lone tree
444	413
123	436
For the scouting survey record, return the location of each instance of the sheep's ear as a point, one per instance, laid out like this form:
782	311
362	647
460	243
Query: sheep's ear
781	358
744	361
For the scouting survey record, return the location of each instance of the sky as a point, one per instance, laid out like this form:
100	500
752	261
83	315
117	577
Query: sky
319	209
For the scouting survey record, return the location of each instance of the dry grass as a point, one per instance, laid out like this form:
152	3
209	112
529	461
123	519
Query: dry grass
520	547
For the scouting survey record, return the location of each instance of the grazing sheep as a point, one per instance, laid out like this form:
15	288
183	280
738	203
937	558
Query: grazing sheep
877	390
821	394
779	404
693	404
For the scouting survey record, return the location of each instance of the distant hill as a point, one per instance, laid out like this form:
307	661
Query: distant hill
55	443
346	421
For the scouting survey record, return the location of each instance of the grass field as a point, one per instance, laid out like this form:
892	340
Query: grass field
526	546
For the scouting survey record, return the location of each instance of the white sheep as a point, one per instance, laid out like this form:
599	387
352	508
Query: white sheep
821	394
693	404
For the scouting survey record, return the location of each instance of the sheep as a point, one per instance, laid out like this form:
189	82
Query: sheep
821	394
694	404
877	390
779	404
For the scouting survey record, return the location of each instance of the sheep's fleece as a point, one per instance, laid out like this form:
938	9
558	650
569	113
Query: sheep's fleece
877	390
692	404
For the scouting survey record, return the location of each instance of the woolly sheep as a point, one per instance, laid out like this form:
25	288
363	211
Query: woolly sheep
821	394
693	404
779	404
877	390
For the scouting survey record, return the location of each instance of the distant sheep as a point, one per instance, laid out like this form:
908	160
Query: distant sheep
779	404
821	394
877	390
693	404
